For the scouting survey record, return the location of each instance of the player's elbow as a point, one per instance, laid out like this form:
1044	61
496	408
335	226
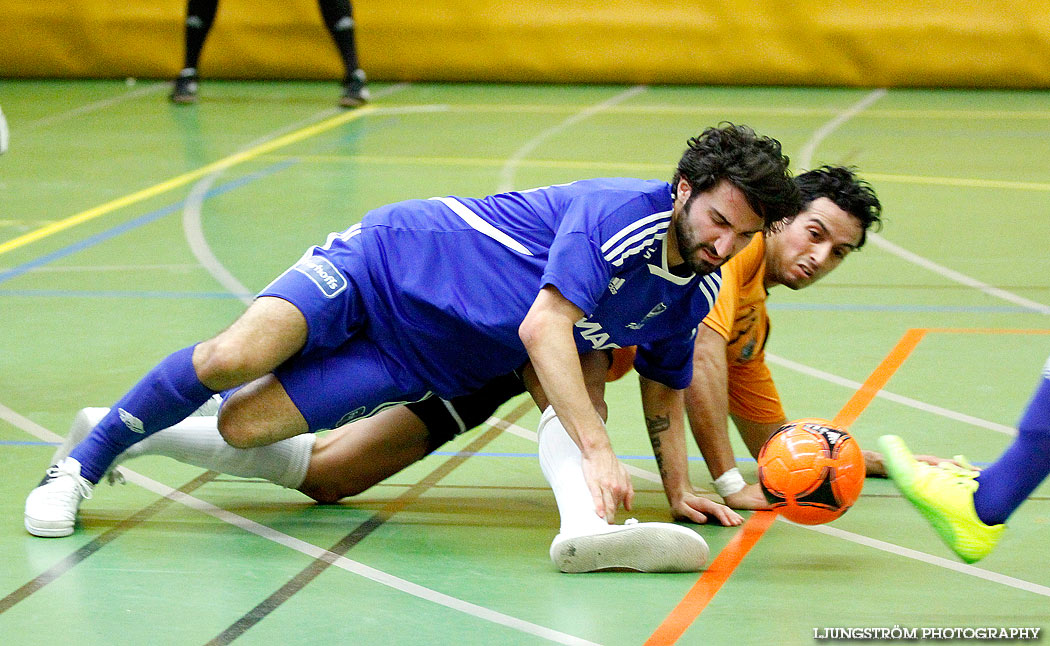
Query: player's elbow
531	330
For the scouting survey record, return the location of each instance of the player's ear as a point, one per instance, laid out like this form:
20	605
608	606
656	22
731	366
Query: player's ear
682	191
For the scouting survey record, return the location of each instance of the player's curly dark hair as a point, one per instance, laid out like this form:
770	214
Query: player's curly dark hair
841	185
754	164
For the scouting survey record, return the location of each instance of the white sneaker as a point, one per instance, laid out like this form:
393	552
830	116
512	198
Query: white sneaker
51	508
645	547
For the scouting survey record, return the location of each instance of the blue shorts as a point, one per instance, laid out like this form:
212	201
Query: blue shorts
340	374
321	285
353	382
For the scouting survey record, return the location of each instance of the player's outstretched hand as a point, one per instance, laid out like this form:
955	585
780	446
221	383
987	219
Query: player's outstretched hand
876	468
697	509
750	497
609	483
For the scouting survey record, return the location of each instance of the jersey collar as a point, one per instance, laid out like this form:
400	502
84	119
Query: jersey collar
663	271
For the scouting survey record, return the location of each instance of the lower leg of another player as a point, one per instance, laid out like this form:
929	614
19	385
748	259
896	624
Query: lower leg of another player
196	441
562	464
339	20
165	396
1022	467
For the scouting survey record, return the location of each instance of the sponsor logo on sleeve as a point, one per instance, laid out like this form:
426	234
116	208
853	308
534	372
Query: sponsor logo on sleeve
324	274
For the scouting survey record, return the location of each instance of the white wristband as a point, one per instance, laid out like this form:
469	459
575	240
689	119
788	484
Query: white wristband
729	482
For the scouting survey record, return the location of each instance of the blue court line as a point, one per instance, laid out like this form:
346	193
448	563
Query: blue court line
142	220
857	307
55	293
480	454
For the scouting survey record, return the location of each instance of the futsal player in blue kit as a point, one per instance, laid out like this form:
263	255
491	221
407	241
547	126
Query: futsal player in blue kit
969	508
441	296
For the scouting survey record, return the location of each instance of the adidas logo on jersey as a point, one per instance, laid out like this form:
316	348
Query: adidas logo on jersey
615	284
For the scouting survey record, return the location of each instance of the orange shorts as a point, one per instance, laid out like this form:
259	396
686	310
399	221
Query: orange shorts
752	393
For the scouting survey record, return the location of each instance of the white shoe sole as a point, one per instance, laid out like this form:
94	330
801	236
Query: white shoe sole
48	529
643	547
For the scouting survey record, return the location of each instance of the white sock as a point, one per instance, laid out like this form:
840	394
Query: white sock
562	464
196	441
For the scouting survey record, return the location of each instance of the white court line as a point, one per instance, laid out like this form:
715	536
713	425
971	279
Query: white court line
311	550
806	161
916	555
958	277
899	399
93	107
860	539
510	168
183	267
822	133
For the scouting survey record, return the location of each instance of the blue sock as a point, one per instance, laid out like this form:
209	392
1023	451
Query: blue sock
1022	467
165	396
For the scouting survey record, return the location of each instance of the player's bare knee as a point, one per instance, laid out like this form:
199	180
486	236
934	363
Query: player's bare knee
327	493
237	427
222	363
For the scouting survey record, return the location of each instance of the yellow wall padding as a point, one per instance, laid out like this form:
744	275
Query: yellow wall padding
872	43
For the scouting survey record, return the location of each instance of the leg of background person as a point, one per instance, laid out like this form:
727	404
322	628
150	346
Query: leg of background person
338	18
200	14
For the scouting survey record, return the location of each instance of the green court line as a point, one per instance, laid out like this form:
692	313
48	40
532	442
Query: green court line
182	180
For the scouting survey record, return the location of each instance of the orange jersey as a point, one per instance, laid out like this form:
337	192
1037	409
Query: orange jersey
739	316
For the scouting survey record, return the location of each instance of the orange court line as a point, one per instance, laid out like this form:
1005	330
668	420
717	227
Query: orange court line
877	379
716	574
983	330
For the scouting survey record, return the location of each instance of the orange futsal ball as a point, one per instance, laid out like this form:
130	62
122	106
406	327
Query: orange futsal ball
811	471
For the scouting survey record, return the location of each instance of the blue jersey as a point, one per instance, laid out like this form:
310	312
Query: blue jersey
446	282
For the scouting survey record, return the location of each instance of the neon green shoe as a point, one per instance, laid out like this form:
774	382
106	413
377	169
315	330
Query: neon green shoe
944	495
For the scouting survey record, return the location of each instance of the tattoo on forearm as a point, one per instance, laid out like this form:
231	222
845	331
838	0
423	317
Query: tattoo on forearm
657	425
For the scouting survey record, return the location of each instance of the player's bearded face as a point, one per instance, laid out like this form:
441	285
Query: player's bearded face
713	225
693	251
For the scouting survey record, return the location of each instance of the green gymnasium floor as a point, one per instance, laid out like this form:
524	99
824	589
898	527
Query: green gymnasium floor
130	228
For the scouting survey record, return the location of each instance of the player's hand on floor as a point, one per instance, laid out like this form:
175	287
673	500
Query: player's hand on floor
750	497
697	509
609	482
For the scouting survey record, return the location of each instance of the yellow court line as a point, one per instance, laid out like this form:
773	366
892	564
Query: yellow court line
959	181
634	166
471	161
763	110
182	180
